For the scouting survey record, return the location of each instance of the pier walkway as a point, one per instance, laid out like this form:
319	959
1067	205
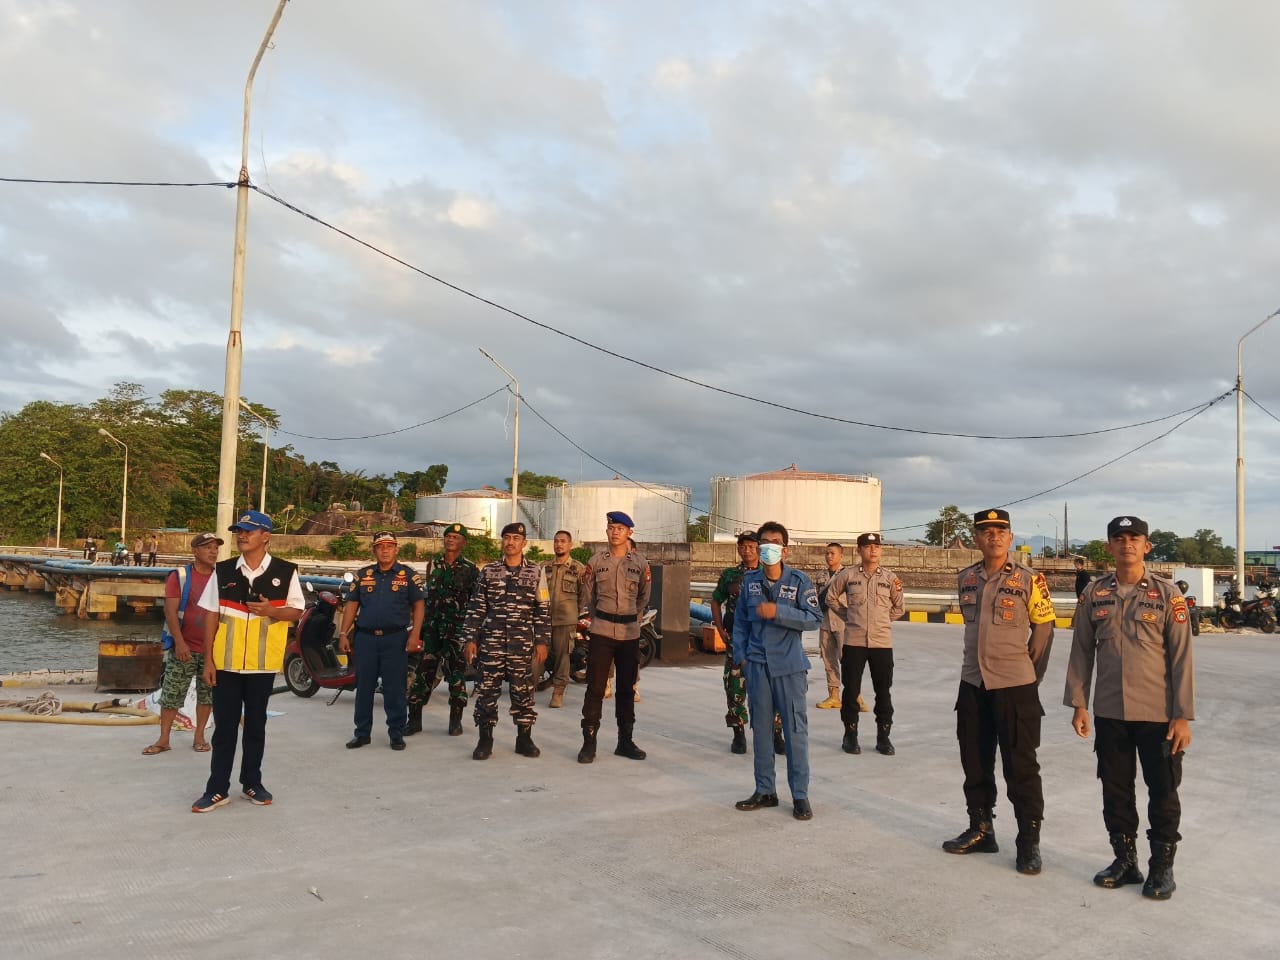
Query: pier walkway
425	851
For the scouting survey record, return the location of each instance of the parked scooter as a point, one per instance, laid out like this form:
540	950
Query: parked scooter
1260	612
311	658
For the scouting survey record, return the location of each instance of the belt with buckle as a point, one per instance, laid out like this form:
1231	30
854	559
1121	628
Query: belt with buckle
381	633
617	617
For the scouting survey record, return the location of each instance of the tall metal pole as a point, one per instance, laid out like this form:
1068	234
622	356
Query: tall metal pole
235	347
515	449
1055	534
1240	451
124	487
266	434
58	539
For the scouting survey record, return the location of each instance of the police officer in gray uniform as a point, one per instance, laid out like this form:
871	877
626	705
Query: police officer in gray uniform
1008	631
1137	629
508	617
617	593
868	599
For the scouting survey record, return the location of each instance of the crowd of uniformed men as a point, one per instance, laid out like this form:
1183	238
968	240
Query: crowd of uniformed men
406	629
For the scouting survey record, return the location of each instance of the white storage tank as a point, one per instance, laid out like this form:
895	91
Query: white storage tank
660	511
486	510
814	507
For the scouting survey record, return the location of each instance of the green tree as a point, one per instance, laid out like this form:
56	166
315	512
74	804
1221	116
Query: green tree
1096	552
418	483
699	529
951	523
1164	545
533	484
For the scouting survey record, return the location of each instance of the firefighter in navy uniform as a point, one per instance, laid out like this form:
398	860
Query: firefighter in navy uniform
508	621
1137	630
384	607
618	581
1008	631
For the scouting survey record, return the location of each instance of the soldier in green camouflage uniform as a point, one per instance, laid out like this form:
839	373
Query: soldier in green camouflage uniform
450	580
724	599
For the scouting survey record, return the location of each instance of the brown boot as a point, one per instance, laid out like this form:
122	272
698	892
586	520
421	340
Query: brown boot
557	696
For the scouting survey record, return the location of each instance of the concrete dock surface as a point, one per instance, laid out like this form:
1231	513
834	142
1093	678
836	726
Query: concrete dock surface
426	852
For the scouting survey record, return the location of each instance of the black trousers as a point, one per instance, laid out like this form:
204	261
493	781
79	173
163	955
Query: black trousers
1120	745
852	661
601	653
1008	718
234	693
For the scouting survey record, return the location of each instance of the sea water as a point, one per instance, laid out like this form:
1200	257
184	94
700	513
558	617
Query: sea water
35	635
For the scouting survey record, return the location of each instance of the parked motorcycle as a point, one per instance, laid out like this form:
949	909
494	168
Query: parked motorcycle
649	640
1193	611
311	658
1260	612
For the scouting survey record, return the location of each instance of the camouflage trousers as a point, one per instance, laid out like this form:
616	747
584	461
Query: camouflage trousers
498	661
735	694
425	668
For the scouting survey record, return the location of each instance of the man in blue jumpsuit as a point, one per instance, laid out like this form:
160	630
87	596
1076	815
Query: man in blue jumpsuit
776	605
385	607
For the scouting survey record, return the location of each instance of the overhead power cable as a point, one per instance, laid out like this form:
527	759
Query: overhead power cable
681	377
122	183
1261	407
389	433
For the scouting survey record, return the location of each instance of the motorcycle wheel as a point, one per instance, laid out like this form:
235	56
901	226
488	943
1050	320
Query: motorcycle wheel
297	679
1267	623
646	648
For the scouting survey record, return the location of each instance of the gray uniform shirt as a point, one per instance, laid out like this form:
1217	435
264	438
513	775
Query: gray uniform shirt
830	619
868	604
618	586
1142	646
1008	625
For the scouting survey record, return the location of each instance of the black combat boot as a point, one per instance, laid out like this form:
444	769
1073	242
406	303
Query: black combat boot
484	749
588	752
1028	844
626	746
1160	885
883	745
415	720
1124	869
779	745
979	838
850	743
455	720
739	744
524	742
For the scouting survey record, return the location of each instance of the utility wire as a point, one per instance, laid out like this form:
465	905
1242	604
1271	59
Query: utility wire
679	376
1260	406
122	183
389	433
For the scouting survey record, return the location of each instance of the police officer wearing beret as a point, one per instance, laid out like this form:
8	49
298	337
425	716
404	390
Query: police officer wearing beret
1008	630
868	598
618	581
1137	629
508	623
384	607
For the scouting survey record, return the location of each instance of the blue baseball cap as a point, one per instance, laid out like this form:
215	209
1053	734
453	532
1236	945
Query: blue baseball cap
617	516
253	520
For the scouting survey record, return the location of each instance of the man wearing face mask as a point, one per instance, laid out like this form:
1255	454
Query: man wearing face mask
776	605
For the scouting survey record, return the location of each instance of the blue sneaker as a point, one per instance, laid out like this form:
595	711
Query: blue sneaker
259	795
210	802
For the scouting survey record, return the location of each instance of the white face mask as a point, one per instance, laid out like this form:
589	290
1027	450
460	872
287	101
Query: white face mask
770	553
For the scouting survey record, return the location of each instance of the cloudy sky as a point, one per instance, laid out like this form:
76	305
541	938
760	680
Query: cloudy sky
991	218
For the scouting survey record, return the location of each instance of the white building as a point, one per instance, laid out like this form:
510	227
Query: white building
660	511
814	507
486	510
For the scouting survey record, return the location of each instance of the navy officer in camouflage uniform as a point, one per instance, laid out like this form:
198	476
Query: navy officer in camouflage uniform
509	616
384	605
449	582
618	581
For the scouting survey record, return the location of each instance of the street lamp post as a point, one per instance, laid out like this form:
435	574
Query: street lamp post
58	538
235	344
1240	449
266	433
515	448
124	486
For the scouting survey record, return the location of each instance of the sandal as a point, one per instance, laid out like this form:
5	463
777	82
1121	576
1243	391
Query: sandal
201	746
155	748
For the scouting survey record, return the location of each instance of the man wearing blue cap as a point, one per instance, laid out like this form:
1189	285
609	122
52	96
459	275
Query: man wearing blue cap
253	598
618	581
